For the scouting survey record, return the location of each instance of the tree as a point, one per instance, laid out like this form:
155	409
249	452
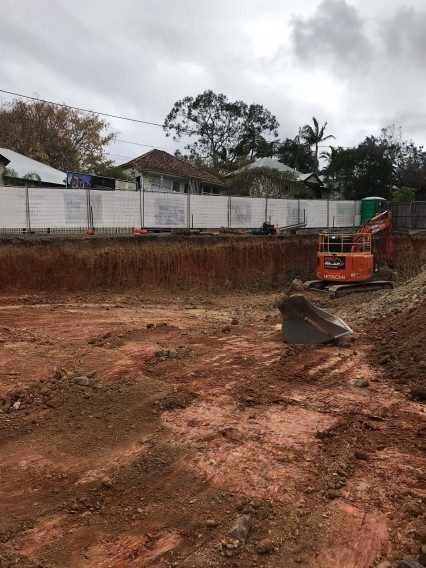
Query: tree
60	137
404	194
296	154
268	182
362	171
377	166
223	129
313	136
409	160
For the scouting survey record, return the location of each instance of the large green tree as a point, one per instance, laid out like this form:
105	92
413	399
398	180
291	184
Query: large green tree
219	130
377	166
313	136
58	136
296	154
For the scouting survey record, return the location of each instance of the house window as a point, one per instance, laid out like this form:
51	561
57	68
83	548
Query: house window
176	185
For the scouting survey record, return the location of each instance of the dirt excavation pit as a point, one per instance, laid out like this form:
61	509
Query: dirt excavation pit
173	430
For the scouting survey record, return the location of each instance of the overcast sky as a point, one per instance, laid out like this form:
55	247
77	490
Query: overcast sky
358	64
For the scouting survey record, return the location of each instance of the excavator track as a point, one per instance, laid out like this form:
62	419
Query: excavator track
337	290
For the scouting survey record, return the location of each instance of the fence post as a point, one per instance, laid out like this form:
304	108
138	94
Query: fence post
298	210
328	214
229	212
89	210
266	210
354	224
141	203
27	210
188	208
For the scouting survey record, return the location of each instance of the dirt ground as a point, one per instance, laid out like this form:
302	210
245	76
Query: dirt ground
179	430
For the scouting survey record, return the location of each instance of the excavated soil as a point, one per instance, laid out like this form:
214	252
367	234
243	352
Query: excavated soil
140	430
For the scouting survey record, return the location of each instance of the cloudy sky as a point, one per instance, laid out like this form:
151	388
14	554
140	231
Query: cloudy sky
358	64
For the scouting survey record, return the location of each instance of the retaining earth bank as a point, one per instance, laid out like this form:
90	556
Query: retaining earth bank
231	262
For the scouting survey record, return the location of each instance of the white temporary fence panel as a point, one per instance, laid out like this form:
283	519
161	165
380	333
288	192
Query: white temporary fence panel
165	210
342	213
316	213
115	208
246	212
276	212
209	212
13	208
43	208
57	207
357	213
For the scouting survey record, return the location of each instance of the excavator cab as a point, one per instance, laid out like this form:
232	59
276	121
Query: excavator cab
345	258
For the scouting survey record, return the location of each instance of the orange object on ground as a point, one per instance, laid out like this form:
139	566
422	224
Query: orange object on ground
139	231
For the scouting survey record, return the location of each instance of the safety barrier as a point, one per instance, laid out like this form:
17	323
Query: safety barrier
58	210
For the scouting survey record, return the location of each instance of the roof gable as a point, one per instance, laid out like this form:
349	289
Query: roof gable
160	162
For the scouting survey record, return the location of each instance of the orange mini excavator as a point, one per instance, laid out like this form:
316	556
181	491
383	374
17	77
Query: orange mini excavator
345	262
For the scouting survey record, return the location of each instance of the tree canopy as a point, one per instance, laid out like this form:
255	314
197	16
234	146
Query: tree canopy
377	166
58	136
296	154
220	130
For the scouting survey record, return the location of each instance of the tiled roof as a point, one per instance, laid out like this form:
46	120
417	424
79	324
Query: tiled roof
161	162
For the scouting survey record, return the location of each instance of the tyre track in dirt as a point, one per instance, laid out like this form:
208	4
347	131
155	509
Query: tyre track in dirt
150	464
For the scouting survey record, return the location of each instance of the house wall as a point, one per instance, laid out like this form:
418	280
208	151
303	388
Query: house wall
153	182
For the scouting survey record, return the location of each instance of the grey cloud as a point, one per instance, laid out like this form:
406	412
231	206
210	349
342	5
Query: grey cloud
137	57
404	37
334	35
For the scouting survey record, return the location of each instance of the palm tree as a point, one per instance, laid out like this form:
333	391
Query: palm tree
313	136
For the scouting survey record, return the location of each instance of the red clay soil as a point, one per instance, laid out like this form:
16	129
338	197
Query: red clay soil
138	431
231	262
400	346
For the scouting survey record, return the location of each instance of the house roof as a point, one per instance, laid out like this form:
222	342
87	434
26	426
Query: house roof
160	162
23	166
274	164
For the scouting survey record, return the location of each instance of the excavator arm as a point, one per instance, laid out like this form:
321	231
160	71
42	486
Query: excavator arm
378	223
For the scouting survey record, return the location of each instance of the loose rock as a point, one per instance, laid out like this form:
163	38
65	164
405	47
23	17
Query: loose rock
361	455
361	383
240	528
16	405
82	381
265	546
332	494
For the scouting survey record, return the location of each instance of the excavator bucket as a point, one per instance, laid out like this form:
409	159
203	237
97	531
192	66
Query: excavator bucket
305	324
